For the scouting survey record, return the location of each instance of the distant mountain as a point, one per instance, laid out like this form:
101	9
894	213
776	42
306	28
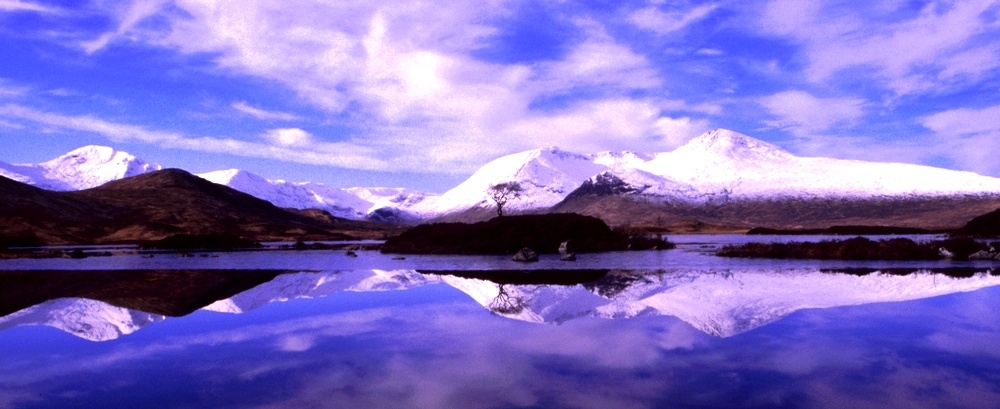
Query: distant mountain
156	205
377	204
83	168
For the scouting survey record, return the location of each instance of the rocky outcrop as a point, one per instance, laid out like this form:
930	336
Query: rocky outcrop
526	255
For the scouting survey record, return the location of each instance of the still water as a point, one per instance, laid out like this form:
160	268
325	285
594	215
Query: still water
676	328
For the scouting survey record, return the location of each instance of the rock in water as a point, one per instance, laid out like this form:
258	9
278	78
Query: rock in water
525	255
981	255
568	257
564	248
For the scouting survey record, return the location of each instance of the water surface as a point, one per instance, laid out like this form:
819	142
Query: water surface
319	329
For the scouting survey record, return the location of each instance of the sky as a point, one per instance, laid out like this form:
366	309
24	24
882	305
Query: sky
422	93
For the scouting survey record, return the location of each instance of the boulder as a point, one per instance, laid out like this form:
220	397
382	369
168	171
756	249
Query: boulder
565	248
568	257
945	253
525	255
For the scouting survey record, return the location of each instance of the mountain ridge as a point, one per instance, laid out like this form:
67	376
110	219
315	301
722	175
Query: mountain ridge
722	177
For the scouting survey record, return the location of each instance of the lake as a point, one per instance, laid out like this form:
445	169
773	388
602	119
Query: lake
675	328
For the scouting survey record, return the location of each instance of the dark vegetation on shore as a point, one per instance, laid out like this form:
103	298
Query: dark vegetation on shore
842	231
201	242
508	234
860	248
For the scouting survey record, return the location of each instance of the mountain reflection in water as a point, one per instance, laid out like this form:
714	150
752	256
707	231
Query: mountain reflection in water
101	306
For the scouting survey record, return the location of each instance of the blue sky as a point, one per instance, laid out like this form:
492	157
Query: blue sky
421	94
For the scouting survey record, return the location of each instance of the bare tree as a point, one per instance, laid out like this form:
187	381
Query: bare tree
501	193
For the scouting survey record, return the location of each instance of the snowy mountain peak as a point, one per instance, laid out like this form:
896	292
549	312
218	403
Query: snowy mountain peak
733	145
232	177
82	168
545	175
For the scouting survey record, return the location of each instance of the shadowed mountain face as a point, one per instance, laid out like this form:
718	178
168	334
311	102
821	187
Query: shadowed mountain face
987	225
155	205
933	213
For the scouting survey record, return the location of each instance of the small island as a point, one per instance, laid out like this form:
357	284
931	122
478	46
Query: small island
543	233
861	248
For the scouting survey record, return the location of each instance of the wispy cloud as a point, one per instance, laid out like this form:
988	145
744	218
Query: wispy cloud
287	145
942	44
663	22
20	5
128	17
263	114
804	114
970	136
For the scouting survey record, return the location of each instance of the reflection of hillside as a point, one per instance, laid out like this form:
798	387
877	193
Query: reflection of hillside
721	303
103	305
87	319
318	284
165	292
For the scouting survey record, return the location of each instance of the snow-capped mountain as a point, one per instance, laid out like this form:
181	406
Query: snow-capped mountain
380	204
87	319
83	168
545	175
727	161
718	165
720	303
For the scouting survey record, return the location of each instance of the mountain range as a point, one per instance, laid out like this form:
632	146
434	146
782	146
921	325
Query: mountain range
159	204
719	178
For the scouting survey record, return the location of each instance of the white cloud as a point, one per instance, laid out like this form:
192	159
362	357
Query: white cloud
7	90
19	5
289	137
971	137
407	76
804	114
598	61
263	114
944	44
661	22
963	122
